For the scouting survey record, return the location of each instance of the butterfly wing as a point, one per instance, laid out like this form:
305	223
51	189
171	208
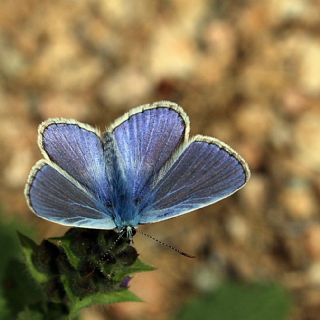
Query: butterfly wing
78	150
70	186
54	195
202	173
145	139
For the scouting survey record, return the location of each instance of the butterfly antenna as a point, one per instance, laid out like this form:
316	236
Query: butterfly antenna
166	245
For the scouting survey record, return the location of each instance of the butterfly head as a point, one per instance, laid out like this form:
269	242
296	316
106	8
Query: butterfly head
127	231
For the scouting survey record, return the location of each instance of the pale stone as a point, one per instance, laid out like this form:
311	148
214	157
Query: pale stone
310	67
306	139
255	193
17	170
256	116
313	273
127	87
294	102
63	106
252	151
123	13
208	277
298	199
12	61
283	10
172	54
220	41
3	102
220	129
237	228
312	241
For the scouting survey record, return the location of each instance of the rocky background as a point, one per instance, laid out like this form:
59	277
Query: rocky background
246	72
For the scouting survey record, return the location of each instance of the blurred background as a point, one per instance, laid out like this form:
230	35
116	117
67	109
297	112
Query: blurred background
246	72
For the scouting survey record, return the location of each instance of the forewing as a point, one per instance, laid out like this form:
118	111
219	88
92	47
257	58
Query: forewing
57	197
205	172
146	137
78	150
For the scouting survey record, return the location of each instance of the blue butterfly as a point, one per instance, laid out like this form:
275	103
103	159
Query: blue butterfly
143	169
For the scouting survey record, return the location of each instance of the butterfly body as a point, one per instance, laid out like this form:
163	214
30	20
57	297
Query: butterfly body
143	169
124	202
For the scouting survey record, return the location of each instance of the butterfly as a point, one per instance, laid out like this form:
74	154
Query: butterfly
142	169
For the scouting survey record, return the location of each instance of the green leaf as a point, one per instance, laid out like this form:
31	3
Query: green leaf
241	302
66	285
102	298
65	243
78	270
9	244
137	266
20	289
4	311
9	249
30	314
28	249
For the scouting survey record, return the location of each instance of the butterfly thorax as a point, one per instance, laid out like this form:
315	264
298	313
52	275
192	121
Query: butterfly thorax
123	204
125	217
123	207
128	232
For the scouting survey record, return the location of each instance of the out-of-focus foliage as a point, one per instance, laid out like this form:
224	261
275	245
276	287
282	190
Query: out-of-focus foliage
4	311
20	290
241	302
16	286
9	245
